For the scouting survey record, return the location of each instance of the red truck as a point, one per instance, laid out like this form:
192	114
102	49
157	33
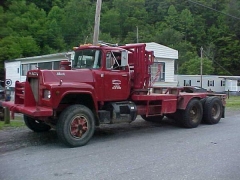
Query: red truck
106	84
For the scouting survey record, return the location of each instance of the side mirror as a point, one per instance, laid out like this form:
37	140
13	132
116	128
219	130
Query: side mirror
124	58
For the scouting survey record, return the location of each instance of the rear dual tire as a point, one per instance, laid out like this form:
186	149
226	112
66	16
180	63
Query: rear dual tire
212	110
208	110
191	117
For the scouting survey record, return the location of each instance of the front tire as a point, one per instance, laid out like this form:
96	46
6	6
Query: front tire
35	125
76	125
192	115
213	110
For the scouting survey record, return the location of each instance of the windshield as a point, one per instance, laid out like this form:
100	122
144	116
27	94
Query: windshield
88	58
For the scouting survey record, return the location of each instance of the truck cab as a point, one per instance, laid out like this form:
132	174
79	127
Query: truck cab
110	74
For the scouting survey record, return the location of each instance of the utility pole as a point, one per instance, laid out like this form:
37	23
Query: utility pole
201	67
97	22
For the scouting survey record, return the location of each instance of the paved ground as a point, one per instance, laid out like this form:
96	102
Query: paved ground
140	150
16	138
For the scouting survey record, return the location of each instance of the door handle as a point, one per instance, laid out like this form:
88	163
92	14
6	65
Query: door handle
124	75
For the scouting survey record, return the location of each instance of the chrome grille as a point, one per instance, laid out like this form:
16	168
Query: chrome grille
34	86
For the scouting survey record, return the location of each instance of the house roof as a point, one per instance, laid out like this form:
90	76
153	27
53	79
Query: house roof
162	51
231	77
38	58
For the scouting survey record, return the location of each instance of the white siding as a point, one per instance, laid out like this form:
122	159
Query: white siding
168	56
169	73
196	81
231	85
169	70
162	51
12	72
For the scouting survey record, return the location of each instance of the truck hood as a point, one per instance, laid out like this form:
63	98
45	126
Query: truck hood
66	76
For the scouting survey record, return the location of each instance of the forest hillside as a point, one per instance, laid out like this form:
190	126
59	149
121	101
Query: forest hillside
38	27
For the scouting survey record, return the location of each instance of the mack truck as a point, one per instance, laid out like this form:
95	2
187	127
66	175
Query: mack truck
96	88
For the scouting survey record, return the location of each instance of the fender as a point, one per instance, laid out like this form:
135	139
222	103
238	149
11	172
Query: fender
59	92
183	100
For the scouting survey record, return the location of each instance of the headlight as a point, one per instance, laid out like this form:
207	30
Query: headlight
46	94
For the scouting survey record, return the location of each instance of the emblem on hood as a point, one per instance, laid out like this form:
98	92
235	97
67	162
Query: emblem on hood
33	73
60	74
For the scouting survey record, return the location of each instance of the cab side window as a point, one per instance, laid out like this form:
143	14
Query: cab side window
113	60
109	62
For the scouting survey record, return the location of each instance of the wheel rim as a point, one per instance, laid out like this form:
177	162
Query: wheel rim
194	114
79	126
215	110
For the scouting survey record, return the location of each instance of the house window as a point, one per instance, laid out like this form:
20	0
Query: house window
24	69
158	71
45	65
211	83
222	83
187	83
33	66
56	65
238	83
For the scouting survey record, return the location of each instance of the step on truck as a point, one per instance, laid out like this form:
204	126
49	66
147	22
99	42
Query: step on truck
106	85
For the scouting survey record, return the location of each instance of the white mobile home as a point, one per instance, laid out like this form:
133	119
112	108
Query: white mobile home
210	82
16	70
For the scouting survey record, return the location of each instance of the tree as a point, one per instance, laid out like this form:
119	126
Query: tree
168	37
57	25
110	23
132	14
227	56
192	67
55	38
78	22
234	23
173	17
185	24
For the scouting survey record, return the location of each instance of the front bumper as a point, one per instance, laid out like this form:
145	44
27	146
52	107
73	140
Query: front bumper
34	111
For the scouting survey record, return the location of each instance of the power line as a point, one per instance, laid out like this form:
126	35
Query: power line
214	9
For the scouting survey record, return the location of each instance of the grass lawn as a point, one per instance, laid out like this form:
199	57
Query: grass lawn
16	122
233	102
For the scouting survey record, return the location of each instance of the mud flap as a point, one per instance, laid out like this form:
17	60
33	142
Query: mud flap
223	113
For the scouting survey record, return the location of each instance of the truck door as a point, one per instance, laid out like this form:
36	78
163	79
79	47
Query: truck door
116	78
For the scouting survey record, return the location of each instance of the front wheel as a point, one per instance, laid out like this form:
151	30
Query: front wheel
152	118
76	125
36	125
